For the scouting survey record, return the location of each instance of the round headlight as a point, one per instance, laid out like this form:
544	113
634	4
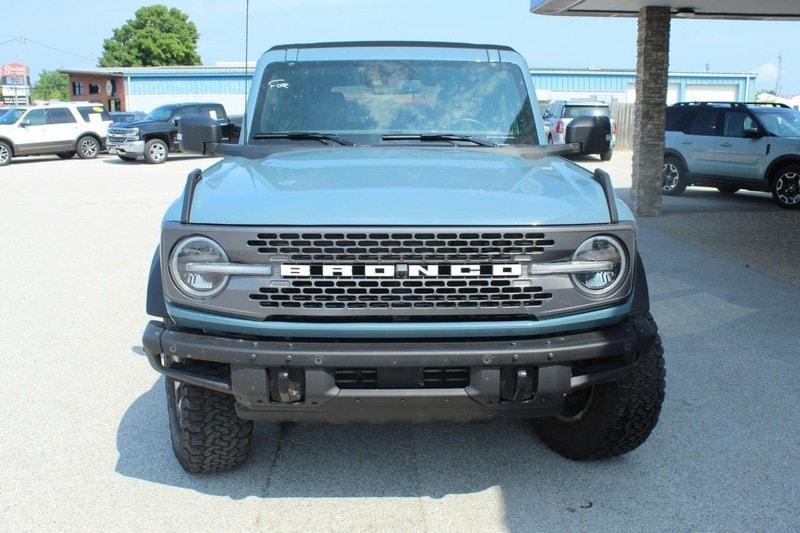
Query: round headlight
600	249
186	267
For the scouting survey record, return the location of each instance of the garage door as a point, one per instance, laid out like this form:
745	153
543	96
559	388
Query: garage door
711	93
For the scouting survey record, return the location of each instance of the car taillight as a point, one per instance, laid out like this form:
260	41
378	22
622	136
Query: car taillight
613	126
559	127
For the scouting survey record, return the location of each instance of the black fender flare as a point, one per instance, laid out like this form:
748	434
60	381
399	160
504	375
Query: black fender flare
780	162
677	154
156	305
641	293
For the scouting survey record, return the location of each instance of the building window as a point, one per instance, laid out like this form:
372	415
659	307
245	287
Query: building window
77	88
94	88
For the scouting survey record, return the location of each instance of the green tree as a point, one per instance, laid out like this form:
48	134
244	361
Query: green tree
51	85
156	36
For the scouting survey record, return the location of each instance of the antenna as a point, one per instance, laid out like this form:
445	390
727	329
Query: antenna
243	133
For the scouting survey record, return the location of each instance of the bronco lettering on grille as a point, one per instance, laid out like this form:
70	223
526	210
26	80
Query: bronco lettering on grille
402	270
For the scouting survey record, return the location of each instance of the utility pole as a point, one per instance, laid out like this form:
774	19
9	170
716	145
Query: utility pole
778	76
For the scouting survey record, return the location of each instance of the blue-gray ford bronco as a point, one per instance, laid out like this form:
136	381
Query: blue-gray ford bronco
392	240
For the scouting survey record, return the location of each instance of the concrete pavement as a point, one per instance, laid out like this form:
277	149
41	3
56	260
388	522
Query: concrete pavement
85	442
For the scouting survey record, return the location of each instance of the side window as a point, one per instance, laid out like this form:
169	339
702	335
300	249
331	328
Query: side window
35	117
220	112
735	122
705	122
59	115
94	114
678	118
186	110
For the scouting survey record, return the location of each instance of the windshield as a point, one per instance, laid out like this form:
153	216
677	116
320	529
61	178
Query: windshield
11	116
575	111
161	113
365	100
780	122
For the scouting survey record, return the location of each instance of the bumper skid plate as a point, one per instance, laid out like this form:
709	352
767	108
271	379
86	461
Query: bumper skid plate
284	380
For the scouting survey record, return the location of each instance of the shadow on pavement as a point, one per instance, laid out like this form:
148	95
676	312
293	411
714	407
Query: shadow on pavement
354	460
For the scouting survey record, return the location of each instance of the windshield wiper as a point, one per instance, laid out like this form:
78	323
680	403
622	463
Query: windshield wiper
304	136
434	137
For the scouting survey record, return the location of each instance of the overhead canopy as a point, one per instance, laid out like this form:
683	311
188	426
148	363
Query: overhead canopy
710	9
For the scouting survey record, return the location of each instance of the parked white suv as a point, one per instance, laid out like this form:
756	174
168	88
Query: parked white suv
560	113
63	129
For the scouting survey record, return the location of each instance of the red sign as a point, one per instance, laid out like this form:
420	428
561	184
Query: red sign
14	70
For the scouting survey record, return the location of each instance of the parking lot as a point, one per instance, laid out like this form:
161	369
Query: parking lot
85	440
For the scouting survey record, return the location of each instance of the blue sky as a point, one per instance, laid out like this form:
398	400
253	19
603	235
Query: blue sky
737	46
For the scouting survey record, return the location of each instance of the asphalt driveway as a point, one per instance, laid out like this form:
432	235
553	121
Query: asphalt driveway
84	436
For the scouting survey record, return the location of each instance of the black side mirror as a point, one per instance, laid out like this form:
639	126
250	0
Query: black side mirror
23	124
199	134
751	133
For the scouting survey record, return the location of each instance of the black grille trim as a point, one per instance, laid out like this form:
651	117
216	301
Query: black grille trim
402	247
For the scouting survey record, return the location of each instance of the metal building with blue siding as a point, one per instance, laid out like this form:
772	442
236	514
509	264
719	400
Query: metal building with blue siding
611	85
144	88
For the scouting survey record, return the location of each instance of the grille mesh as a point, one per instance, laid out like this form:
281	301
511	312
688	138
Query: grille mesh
435	293
381	247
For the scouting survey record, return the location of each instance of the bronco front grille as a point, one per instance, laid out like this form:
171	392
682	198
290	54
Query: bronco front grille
381	247
402	293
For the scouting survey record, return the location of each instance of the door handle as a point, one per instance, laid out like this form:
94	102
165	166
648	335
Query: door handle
686	142
726	144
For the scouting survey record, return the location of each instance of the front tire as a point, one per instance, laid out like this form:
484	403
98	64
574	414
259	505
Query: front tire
609	419
5	154
786	187
207	435
87	147
674	176
605	155
155	151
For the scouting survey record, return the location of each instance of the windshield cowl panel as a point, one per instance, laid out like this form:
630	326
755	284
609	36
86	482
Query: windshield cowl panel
366	100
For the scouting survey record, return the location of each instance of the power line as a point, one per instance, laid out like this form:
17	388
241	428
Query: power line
25	39
22	40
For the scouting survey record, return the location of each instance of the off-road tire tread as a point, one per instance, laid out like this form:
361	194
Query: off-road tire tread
640	393
213	437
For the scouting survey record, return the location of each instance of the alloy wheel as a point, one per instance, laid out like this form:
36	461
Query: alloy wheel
671	177
158	152
5	154
787	188
88	147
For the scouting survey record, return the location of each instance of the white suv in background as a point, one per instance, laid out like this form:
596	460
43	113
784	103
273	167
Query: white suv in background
63	129
560	113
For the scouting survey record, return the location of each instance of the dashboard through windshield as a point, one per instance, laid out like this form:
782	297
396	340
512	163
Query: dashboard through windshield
365	101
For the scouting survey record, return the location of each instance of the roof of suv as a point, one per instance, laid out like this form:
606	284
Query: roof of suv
390	44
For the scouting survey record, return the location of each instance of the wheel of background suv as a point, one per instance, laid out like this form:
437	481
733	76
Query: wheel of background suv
5	154
605	155
155	151
66	155
127	157
87	147
727	189
207	435
612	418
786	187
674	177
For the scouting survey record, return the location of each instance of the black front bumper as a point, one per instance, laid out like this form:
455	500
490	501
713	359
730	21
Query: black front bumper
283	380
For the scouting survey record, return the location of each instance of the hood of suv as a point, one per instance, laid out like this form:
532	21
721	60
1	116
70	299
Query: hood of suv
398	185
